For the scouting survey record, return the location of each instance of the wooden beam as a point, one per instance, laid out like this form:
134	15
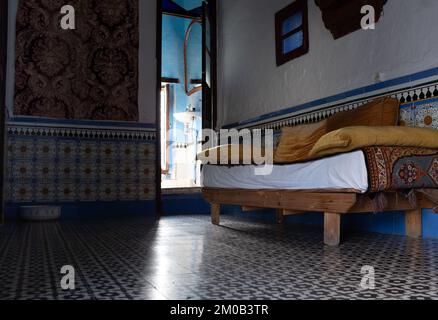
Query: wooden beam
332	229
215	214
413	222
283	199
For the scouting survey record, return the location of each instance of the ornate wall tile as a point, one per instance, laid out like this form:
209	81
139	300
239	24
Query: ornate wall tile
22	170
421	114
88	151
129	191
87	191
22	191
44	149
407	116
67	191
427	115
45	171
68	150
23	148
146	152
45	192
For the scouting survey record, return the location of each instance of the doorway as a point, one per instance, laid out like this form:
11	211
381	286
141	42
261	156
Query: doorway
186	94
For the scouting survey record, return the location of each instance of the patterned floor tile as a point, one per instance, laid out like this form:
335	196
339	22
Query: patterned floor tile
185	257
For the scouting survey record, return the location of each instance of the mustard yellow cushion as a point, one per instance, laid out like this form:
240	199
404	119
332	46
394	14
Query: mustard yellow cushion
296	142
379	112
353	138
231	154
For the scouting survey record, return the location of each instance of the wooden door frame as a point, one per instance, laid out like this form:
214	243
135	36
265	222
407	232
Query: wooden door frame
159	33
3	59
213	63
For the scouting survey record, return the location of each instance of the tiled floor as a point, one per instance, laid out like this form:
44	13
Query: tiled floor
188	258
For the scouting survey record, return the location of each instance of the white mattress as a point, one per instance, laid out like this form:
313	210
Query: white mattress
345	171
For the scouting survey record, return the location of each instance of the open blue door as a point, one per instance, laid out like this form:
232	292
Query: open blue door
209	69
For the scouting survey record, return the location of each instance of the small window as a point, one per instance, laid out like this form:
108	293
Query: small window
292	32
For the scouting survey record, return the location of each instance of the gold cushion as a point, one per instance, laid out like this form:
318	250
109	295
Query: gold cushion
297	142
380	112
353	138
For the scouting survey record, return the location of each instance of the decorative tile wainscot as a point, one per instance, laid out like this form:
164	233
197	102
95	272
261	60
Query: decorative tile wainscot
50	165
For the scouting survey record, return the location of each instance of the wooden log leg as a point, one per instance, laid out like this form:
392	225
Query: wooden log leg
280	216
332	229
413	223
215	213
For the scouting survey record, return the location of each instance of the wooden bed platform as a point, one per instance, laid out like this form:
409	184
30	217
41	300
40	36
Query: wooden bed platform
332	204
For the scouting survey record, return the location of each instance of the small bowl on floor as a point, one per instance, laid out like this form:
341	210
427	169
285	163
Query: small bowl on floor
40	213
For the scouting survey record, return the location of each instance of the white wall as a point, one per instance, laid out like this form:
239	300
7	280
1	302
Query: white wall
250	83
147	59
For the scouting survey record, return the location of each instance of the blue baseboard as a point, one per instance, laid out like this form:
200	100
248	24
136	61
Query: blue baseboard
185	204
81	210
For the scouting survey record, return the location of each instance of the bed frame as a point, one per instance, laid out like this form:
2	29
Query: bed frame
333	204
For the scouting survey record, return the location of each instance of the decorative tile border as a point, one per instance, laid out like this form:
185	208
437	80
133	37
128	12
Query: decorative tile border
50	165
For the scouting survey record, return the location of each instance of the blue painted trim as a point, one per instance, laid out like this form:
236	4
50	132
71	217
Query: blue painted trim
79	210
120	124
332	99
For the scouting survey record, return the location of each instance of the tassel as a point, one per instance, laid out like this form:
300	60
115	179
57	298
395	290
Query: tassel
412	199
380	202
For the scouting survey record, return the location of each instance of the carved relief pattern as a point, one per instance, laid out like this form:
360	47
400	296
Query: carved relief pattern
87	73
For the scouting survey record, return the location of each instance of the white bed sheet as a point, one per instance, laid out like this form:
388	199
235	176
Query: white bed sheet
345	171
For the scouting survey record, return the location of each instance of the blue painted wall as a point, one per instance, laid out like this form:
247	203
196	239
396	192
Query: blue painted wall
189	4
174	31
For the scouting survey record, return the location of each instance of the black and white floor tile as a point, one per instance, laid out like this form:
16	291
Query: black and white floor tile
187	258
